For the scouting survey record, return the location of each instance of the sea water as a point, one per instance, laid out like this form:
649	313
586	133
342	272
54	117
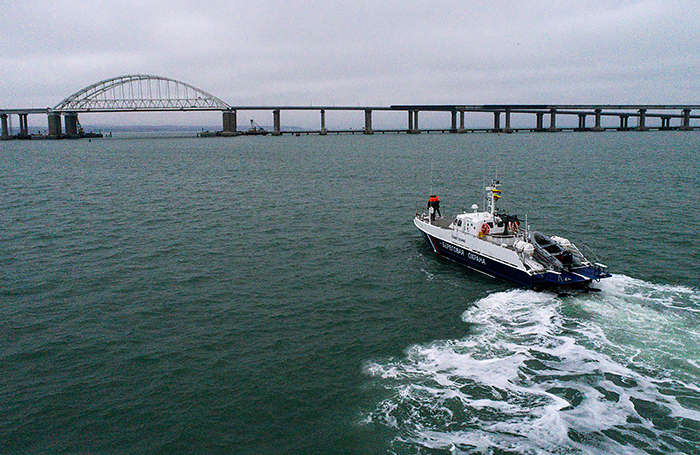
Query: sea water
271	295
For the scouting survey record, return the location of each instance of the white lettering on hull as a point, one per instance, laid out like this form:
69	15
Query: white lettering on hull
471	256
476	258
450	247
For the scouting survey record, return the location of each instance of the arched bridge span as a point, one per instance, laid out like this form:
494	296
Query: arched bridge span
140	92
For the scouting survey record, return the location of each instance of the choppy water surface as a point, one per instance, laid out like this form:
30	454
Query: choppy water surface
271	295
540	374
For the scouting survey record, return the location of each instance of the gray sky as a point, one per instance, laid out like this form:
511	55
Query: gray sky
305	52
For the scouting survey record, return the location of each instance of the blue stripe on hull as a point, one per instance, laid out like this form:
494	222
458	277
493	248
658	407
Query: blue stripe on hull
496	269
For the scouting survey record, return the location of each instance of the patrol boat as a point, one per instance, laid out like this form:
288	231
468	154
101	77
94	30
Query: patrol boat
494	243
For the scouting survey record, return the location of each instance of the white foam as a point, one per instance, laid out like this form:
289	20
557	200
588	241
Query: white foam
670	296
651	325
540	370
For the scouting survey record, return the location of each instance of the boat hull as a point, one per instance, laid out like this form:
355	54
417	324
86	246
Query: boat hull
475	260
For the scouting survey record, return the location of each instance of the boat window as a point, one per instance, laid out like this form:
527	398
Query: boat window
459	223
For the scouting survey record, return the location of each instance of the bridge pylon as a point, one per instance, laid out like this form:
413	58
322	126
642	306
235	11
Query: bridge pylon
54	121
230	121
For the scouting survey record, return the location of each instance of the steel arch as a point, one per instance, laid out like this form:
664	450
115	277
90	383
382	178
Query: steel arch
140	92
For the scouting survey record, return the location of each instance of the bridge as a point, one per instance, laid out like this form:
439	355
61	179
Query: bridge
131	93
143	93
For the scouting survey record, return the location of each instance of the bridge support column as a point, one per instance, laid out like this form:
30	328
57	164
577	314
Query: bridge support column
276	122
497	122
686	120
230	120
553	120
55	125
413	122
581	122
23	125
323	122
507	129
540	121
461	121
71	121
597	126
641	126
665	122
5	129
624	122
453	126
368	121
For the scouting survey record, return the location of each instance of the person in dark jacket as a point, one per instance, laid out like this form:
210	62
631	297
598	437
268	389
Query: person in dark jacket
434	207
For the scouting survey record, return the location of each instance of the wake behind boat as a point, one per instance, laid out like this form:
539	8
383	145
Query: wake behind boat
494	243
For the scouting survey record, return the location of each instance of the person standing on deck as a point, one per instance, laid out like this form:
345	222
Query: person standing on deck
434	207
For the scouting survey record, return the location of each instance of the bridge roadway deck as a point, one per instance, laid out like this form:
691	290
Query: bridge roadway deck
462	131
566	109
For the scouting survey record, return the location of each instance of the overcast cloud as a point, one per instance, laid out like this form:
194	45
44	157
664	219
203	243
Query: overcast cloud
360	52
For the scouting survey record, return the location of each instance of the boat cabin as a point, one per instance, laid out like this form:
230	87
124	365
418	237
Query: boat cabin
495	227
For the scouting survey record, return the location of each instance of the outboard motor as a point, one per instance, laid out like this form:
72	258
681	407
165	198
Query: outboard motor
566	258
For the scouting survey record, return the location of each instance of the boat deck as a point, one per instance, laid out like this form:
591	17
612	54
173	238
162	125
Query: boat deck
441	222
